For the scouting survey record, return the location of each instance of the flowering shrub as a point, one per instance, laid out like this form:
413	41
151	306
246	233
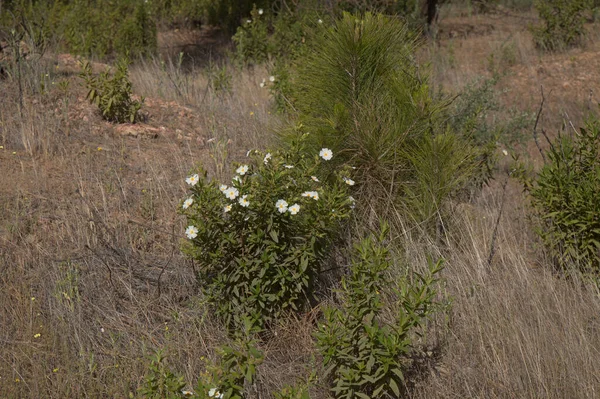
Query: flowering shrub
260	240
264	36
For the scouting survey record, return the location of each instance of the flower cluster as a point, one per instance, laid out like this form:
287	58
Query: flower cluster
233	193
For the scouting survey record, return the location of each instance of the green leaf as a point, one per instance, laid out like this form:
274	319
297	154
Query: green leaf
395	388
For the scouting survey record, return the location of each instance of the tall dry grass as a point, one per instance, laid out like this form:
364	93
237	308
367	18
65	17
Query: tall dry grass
516	328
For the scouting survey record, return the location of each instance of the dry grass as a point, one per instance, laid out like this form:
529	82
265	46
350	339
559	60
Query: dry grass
516	329
90	261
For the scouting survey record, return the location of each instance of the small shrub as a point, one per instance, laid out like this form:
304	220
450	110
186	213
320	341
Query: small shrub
236	368
293	392
565	197
136	34
220	79
562	23
160	382
112	94
251	39
365	355
261	241
265	36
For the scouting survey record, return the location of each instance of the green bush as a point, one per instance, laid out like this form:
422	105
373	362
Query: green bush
562	23
260	242
136	34
265	36
160	382
365	354
236	368
112	94
565	198
251	39
359	89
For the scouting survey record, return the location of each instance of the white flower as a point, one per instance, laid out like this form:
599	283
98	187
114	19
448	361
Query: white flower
260	11
326	154
214	393
281	206
236	178
187	203
352	202
242	170
288	166
248	21
187	393
505	152
226	208
267	157
231	193
191	232
294	209
244	202
271	78
314	178
320	21
192	180
262	84
311	194
349	182
222	187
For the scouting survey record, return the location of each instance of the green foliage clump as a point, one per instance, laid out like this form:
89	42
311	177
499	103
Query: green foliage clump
562	23
265	36
160	382
359	89
236	368
220	79
565	197
293	392
112	94
98	28
366	354
260	242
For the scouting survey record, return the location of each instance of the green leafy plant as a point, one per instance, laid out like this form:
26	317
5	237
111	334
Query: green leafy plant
236	369
365	354
220	79
112	94
562	23
136	34
160	382
565	198
260	242
293	392
251	39
265	36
